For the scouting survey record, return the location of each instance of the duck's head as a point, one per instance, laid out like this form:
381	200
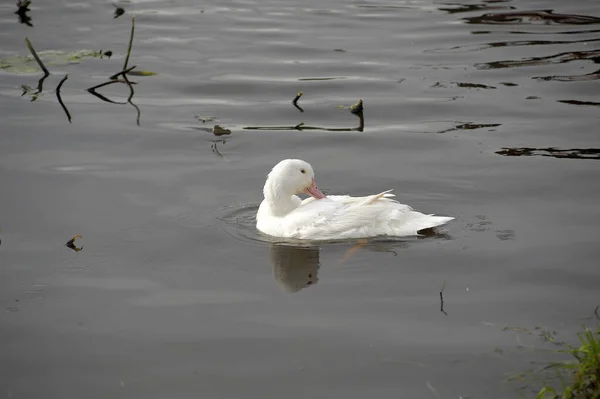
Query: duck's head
290	177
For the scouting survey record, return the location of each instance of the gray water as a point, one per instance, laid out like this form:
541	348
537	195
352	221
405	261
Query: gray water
175	295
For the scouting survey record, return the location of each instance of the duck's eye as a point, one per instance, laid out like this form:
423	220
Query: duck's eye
302	171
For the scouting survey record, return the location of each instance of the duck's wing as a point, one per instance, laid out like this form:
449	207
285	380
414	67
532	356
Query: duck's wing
338	217
308	214
348	200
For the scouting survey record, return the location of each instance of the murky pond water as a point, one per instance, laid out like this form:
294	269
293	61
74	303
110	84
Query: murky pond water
486	111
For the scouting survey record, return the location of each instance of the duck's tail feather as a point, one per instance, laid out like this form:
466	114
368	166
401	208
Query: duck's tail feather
426	222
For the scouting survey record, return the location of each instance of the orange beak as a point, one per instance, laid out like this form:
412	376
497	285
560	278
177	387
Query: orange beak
314	191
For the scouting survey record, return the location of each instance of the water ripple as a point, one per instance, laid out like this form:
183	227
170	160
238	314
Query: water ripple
533	17
573	153
513	43
593	55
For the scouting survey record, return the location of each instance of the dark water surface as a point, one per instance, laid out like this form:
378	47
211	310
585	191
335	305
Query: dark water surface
487	111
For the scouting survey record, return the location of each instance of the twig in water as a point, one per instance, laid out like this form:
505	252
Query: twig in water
295	101
596	312
301	126
35	56
40	86
356	109
60	99
442	299
122	73
130	42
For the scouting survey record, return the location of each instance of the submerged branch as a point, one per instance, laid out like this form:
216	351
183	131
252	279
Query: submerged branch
60	99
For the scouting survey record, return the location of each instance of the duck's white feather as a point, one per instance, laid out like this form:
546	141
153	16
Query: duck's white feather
342	217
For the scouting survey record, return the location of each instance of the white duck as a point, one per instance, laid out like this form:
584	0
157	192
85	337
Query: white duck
283	214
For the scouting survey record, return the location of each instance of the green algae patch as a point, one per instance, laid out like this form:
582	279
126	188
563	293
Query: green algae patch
22	65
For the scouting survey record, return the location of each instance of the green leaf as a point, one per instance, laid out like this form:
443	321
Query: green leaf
142	73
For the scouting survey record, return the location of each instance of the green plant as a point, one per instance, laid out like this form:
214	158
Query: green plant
584	372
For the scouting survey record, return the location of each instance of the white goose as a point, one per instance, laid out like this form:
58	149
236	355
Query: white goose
283	214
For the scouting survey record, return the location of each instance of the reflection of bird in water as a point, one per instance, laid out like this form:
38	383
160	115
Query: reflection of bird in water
295	268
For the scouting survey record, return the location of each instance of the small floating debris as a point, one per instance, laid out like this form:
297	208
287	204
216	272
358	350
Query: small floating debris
464	85
71	243
23	8
220	131
142	73
205	119
119	11
295	101
442	299
470	126
473	85
357	108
